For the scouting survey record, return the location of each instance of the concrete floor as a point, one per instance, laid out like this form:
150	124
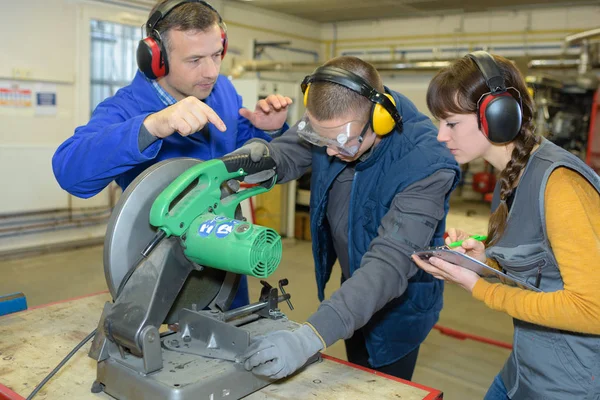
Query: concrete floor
462	369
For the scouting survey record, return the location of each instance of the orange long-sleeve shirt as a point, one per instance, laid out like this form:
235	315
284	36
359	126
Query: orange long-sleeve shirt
573	225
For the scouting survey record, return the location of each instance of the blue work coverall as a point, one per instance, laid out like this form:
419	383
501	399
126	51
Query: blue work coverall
106	149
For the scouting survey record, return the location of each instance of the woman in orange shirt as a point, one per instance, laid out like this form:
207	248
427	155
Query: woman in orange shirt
544	229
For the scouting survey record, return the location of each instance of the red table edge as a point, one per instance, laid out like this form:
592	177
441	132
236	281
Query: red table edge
5	392
433	393
62	301
8	394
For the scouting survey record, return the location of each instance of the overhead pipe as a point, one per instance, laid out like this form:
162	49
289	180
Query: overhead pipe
425	65
386	66
558	63
578	37
284	66
585	59
240	68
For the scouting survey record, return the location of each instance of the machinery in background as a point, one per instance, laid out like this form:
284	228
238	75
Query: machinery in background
563	110
477	182
563	114
175	247
484	181
567	103
593	149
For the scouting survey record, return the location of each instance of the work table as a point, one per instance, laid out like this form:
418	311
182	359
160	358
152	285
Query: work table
34	341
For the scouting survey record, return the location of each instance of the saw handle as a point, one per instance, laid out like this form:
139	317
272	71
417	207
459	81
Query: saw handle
197	191
240	161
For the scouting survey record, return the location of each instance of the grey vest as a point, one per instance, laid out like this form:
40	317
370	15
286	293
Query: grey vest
545	363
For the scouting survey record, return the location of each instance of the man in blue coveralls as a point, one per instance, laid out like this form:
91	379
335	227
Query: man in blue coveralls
176	106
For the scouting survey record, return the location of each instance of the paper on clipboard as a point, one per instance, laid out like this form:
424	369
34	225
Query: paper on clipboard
463	260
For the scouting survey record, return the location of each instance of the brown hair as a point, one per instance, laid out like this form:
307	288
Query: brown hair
456	89
185	17
329	100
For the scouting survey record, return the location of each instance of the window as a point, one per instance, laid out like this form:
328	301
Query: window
112	64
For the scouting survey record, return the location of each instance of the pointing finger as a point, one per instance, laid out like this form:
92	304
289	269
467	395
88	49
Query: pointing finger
212	116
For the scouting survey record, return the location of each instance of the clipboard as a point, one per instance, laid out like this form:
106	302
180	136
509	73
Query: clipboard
463	260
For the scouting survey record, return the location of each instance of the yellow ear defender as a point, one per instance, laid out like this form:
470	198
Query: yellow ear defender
306	95
382	122
384	116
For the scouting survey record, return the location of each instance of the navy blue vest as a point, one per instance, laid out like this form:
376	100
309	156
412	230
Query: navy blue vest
399	160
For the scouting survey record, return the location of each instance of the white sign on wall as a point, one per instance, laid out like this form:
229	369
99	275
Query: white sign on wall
45	99
28	99
16	97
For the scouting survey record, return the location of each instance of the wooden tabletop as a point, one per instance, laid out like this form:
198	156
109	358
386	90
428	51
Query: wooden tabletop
33	342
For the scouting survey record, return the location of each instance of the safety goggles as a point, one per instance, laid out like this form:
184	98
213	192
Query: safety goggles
345	139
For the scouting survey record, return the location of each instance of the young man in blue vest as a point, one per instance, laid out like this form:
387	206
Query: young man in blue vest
177	106
379	190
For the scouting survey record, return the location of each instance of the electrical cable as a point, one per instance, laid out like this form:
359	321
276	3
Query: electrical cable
60	365
157	238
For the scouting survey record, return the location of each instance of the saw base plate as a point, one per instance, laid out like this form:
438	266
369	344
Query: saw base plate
186	376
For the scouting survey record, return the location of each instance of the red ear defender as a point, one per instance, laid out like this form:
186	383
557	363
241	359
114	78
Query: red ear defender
150	58
500	114
224	39
159	67
483	106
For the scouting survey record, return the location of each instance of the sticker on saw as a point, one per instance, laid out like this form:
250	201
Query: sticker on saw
221	231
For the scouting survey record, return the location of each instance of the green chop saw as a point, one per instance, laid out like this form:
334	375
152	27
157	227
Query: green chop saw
175	247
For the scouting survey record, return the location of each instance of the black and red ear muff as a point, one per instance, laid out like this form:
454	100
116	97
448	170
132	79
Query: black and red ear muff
500	117
499	113
224	38
150	58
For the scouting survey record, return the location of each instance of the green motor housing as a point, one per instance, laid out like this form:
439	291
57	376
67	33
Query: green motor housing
232	245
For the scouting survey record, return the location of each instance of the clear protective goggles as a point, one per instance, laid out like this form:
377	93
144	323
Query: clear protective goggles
345	139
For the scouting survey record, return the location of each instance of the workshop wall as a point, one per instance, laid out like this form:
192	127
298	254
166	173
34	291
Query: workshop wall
534	31
46	48
37	47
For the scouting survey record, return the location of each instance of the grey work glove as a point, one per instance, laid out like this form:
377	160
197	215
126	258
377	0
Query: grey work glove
280	353
256	150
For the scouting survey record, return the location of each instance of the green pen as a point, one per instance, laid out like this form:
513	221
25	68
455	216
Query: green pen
481	238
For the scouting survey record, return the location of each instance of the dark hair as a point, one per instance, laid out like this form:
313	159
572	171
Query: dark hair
456	89
329	100
185	17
